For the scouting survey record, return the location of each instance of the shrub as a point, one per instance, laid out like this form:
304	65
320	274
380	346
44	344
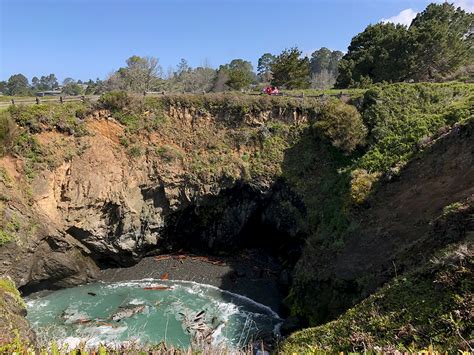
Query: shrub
132	121
452	208
135	151
342	125
115	100
361	184
46	117
399	116
168	154
8	133
5	237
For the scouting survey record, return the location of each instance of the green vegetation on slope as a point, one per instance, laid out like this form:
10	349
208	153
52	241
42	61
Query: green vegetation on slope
64	118
402	120
15	332
432	306
403	117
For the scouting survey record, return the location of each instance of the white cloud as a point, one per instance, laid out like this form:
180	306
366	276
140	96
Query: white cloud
404	17
466	5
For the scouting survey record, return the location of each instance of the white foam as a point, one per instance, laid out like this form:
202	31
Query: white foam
136	301
72	314
37	303
236	295
194	289
147	282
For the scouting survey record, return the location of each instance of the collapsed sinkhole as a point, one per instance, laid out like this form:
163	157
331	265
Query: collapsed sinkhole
238	218
242	217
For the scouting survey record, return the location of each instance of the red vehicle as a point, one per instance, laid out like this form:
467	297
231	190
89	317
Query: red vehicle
271	90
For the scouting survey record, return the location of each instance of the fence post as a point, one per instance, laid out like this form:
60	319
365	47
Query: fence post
13	101
37	100
60	99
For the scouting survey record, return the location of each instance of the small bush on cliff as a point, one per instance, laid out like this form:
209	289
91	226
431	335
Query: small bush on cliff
8	133
168	153
135	151
361	184
5	237
342	124
7	285
115	100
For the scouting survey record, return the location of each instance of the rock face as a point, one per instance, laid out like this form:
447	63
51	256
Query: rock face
104	207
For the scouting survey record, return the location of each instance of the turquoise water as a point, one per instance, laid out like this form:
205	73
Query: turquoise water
177	312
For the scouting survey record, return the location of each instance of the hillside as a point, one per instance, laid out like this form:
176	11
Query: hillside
353	198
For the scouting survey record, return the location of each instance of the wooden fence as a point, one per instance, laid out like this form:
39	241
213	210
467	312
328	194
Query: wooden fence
50	99
62	99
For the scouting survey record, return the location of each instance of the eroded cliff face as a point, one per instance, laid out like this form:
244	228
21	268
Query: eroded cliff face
103	204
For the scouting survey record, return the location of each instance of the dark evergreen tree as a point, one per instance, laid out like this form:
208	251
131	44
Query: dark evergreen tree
18	85
290	70
438	42
264	68
382	52
443	41
237	75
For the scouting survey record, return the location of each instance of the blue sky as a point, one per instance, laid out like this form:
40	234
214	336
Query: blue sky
86	39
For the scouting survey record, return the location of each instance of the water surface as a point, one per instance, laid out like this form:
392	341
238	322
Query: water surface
149	311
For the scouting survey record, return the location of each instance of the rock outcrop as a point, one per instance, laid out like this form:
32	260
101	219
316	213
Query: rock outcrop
188	187
15	331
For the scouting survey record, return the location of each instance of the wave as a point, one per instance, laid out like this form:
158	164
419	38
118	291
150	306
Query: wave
149	282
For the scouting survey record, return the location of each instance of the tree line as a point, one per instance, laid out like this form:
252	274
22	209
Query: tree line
288	69
18	85
437	46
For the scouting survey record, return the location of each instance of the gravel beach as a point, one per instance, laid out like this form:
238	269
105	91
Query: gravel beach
250	273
